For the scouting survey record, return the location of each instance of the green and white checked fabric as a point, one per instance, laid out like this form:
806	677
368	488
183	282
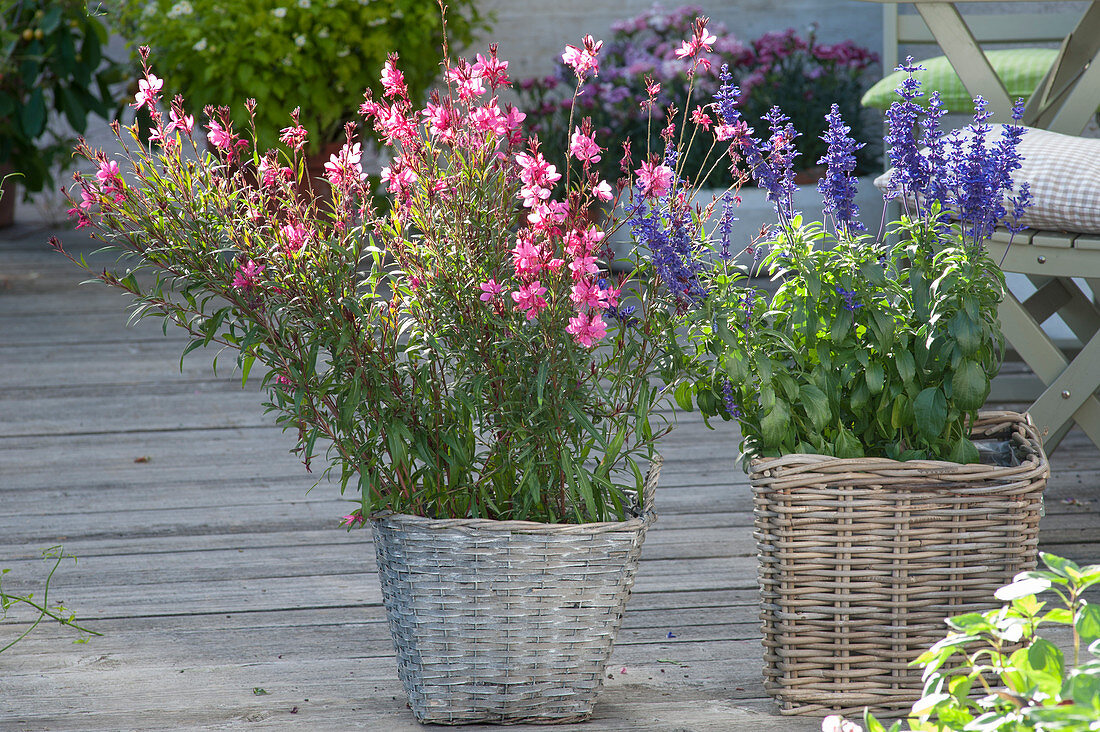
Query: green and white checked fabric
1020	70
1064	173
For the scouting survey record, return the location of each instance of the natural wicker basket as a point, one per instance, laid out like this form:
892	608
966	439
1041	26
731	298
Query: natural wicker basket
862	560
506	621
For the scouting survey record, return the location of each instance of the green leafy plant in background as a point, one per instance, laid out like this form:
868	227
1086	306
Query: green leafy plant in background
994	672
57	612
51	61
318	55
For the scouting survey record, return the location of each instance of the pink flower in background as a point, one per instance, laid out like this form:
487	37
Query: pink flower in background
148	92
247	276
490	290
271	172
656	180
393	81
529	298
701	118
587	329
602	191
583	147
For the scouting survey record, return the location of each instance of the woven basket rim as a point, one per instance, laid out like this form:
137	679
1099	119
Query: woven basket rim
644	516
925	467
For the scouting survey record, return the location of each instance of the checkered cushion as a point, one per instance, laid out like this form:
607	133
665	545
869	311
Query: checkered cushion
1064	173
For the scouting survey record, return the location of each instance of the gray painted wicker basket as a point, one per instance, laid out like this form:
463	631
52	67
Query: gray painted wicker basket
506	621
861	560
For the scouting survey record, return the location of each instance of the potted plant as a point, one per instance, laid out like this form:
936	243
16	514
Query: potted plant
644	53
461	363
1029	681
318	55
884	500
51	63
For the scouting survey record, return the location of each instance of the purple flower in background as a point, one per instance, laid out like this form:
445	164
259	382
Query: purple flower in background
838	187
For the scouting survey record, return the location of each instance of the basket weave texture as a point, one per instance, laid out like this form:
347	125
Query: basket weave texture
861	560
506	621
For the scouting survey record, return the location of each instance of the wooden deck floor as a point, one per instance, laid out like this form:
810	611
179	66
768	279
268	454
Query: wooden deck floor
213	575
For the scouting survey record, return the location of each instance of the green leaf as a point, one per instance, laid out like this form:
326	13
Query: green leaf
966	332
1021	587
1087	623
930	412
32	116
841	325
906	366
736	367
963	452
969	386
775	426
816	405
847	445
682	395
875	377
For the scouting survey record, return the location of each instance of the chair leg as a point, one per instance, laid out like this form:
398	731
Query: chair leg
1070	393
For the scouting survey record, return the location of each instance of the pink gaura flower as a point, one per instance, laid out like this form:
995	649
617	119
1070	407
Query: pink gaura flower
583	147
179	121
602	191
655	180
529	298
220	137
353	518
293	137
344	168
527	255
546	216
399	178
582	242
587	328
491	69
584	59
513	121
392	122
148	92
247	276
488	119
490	290
652	88
271	173
701	118
701	40
296	236
583	267
469	83
108	174
393	81
441	120
586	294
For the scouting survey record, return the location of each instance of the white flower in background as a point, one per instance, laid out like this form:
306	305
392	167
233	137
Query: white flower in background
200	46
299	40
304	4
279	12
324	32
180	9
287	60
